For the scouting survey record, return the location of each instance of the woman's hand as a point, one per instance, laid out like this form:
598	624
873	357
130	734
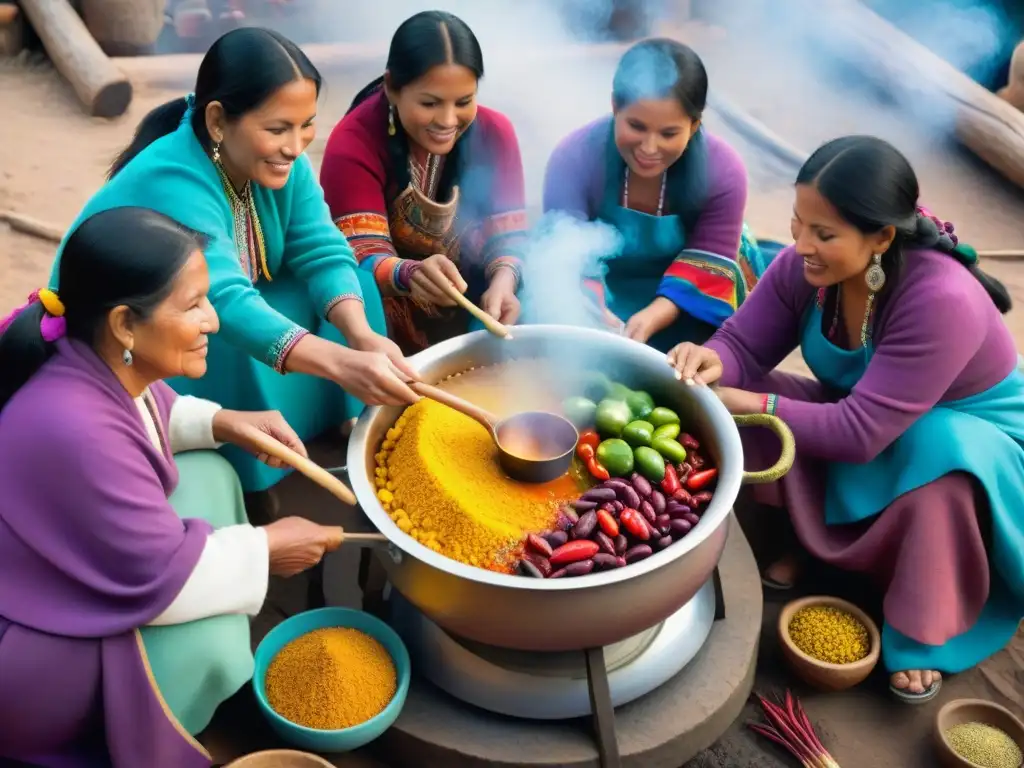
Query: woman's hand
431	281
372	377
700	364
230	427
499	300
297	544
374	342
740	401
655	317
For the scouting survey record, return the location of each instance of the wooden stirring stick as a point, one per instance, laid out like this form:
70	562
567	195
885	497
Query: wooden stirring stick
492	325
314	472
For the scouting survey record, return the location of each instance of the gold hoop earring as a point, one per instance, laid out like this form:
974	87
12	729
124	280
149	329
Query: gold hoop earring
875	276
391	120
216	153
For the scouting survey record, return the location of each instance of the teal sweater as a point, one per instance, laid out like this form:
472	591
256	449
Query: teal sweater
174	176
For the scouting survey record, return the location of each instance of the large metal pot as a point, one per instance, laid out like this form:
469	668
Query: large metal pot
563	614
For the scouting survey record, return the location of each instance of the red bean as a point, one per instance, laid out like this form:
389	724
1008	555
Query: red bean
562	523
622	560
683	497
526	568
683	470
579	568
629	497
605	561
582	506
691	518
607	506
689	442
605	542
615	484
621	544
663	542
618	506
585	526
680	527
570	514
676	510
599	493
556	538
538	545
658	501
647	510
541	563
662	523
640	484
704	497
558	574
637	553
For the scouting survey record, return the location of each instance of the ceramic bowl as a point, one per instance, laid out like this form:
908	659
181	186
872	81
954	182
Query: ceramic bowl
344	739
821	674
280	758
972	711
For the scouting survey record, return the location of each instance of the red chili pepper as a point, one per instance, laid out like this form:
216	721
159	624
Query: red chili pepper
634	524
670	483
607	523
574	551
591	438
585	451
596	470
698	480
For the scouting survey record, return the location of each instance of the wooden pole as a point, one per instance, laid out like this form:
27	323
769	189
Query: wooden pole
101	87
984	123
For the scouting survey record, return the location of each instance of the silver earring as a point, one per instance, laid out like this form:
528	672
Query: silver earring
126	357
216	152
875	276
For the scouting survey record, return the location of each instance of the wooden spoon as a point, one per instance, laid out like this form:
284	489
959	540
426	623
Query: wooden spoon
492	325
314	472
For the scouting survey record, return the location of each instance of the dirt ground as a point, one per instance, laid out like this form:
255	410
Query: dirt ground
52	158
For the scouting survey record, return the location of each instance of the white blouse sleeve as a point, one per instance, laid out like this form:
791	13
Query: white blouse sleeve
190	426
230	578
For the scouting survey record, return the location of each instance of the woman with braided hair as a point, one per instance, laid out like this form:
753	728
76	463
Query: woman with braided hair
910	438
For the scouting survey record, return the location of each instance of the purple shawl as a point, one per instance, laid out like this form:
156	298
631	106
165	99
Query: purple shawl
90	550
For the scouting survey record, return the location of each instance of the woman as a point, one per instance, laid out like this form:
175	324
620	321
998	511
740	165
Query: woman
229	162
428	186
675	194
911	438
126	573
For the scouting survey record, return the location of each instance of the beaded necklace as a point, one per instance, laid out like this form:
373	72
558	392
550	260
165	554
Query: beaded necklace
252	251
661	194
833	330
431	164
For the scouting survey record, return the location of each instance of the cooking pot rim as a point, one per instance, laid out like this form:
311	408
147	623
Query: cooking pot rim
727	489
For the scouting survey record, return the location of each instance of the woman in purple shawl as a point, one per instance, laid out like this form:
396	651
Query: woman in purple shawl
910	437
127	574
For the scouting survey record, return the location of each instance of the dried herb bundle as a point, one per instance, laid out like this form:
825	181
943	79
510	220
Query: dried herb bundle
788	726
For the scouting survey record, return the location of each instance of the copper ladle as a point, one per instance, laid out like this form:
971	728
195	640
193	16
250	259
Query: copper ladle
533	446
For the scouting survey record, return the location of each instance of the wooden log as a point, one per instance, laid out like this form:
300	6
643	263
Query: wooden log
905	68
102	88
19	222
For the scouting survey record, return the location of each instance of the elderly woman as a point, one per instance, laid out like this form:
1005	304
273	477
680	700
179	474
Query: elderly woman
674	193
127	568
428	185
229	162
910	438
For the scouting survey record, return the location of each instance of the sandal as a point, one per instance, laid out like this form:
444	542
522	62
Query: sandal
795	565
907	697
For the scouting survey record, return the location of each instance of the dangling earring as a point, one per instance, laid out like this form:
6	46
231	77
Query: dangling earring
391	120
216	153
126	357
875	276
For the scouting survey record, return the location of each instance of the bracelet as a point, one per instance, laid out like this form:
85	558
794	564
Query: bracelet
769	403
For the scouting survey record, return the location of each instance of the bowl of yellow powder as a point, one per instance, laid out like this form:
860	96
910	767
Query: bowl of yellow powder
829	643
331	680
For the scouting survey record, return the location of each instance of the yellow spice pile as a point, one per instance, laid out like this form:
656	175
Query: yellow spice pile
829	634
331	678
439	479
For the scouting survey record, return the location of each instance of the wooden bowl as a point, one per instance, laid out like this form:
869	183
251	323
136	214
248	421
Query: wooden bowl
280	758
972	711
821	674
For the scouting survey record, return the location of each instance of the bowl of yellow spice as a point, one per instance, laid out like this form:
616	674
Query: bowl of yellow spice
829	643
332	679
974	733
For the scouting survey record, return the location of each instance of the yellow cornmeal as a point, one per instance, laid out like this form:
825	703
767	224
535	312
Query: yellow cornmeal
438	477
829	634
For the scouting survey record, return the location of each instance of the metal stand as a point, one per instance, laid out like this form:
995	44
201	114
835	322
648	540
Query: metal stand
316	597
716	578
601	706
